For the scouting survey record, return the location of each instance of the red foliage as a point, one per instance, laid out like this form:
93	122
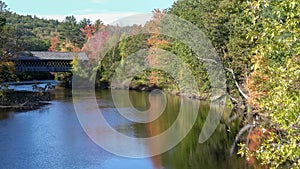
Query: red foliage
95	45
255	139
88	31
76	49
54	41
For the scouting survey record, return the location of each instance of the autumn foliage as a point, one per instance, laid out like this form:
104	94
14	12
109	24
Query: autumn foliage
255	138
88	31
54	41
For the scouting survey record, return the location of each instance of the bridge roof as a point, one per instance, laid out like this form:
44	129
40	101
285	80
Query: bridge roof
51	56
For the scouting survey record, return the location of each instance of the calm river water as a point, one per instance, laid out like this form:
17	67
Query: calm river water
52	137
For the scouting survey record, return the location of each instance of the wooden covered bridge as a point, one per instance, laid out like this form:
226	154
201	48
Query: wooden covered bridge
46	61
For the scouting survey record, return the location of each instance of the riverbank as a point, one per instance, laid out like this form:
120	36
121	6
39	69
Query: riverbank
147	88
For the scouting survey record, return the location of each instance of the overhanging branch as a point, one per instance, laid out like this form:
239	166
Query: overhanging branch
237	84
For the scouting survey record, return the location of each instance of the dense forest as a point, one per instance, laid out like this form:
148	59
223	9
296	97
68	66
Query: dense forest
35	34
30	33
256	41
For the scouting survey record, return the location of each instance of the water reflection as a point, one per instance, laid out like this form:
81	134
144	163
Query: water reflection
52	137
212	154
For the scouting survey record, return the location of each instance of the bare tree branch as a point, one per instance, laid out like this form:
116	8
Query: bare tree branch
233	99
244	129
237	84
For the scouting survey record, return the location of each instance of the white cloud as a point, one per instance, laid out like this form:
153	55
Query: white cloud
138	19
107	18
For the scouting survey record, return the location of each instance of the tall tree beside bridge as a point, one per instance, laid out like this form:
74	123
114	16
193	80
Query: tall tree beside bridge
8	46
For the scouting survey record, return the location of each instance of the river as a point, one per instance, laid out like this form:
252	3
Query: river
52	137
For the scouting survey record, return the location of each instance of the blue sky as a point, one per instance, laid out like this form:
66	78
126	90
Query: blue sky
106	10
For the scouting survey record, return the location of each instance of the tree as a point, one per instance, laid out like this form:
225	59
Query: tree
70	34
54	44
3	9
274	83
99	24
8	47
258	42
88	31
84	22
9	40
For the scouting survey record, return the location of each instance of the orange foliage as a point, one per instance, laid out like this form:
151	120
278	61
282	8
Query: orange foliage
256	81
76	49
152	26
253	85
54	41
153	79
155	41
88	31
255	139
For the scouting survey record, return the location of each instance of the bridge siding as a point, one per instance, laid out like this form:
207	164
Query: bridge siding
46	61
43	65
42	69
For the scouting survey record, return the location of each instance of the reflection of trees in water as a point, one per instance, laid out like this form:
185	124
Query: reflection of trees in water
213	154
6	113
160	125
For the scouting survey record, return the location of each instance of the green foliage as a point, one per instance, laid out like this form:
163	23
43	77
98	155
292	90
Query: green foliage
9	37
2	21
116	55
64	78
253	38
275	28
274	35
132	44
261	39
69	31
7	72
81	68
196	66
222	23
33	33
283	105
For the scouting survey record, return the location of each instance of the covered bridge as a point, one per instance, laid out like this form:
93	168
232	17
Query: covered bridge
46	61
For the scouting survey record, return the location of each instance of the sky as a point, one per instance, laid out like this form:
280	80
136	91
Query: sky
106	10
